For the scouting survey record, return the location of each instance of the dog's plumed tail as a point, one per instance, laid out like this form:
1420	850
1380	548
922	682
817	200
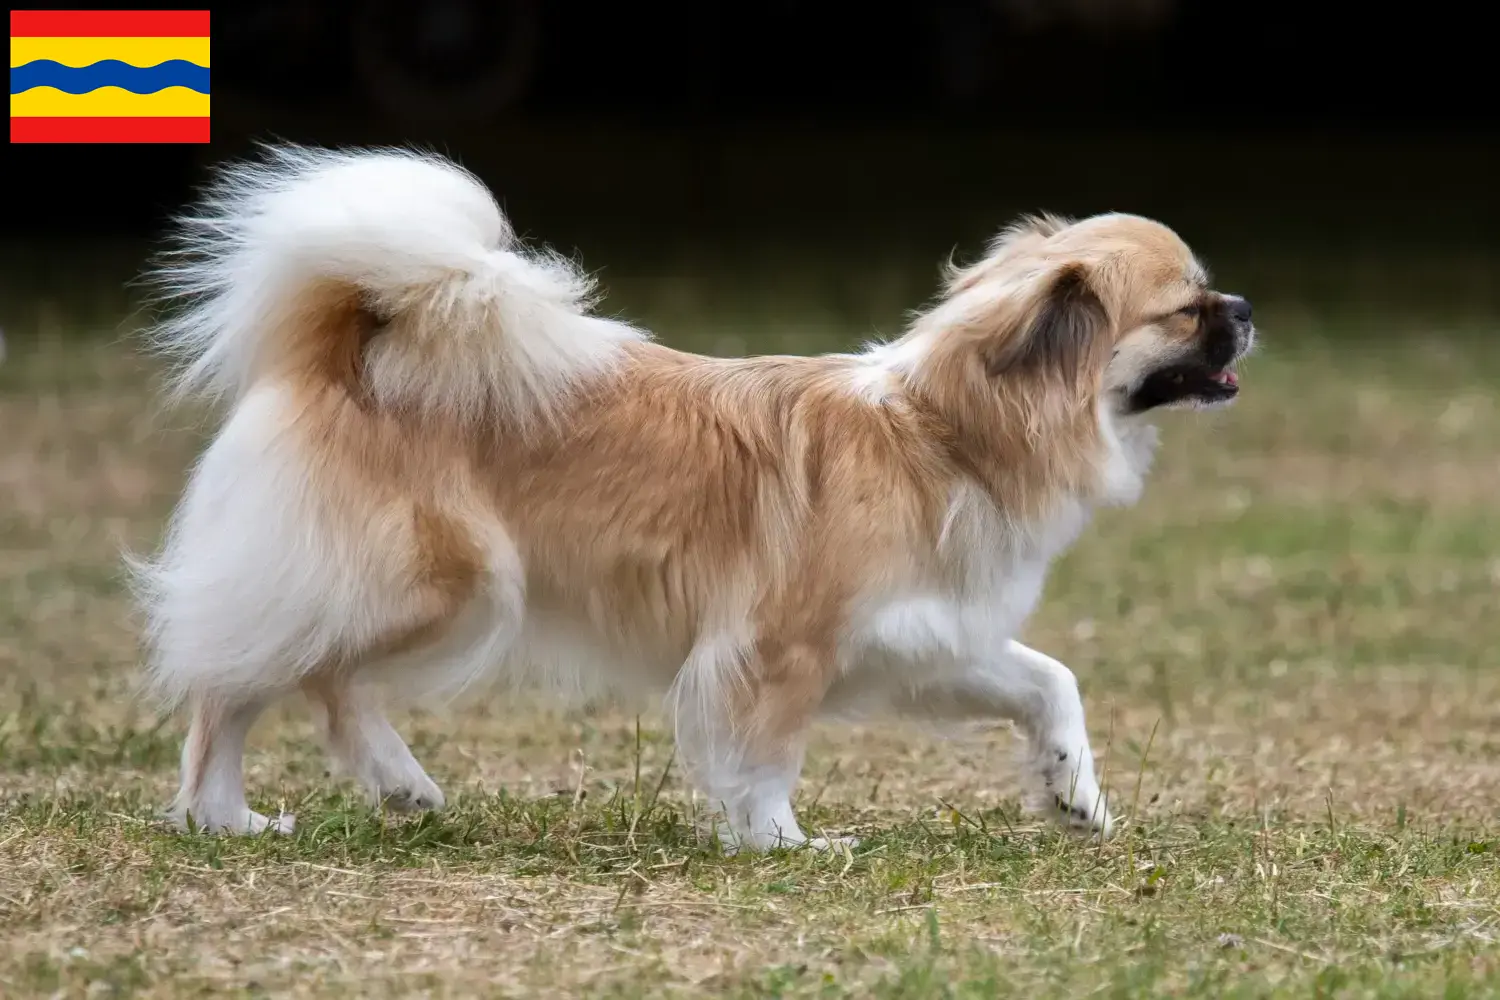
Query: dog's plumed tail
392	268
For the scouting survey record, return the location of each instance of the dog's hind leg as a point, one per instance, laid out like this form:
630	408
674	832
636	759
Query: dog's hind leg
461	645
213	778
362	740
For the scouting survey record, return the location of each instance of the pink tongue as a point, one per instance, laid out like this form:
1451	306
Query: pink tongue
1227	377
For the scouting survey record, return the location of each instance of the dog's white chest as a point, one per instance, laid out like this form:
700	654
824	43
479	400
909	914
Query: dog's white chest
995	581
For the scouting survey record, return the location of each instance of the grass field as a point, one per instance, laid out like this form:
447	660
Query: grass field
1288	653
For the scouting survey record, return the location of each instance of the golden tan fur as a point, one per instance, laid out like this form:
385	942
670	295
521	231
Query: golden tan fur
676	471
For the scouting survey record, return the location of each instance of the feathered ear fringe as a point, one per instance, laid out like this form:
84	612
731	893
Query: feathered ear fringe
1049	368
1039	224
1025	232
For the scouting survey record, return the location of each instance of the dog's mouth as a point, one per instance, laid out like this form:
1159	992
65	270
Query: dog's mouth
1189	383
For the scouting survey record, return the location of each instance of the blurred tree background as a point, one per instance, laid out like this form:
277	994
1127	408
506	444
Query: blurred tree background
811	164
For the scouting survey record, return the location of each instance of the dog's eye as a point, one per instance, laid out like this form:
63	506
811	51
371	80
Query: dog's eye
1191	312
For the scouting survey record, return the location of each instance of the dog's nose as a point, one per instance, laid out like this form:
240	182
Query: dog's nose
1238	308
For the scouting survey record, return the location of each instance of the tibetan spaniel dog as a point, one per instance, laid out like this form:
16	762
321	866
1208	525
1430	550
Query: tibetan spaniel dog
438	464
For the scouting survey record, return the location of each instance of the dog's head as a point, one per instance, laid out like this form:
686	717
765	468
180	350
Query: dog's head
1113	309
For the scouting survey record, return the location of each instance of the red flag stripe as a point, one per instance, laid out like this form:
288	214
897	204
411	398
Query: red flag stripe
108	23
109	130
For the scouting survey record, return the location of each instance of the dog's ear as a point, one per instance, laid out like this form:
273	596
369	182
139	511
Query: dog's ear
1063	335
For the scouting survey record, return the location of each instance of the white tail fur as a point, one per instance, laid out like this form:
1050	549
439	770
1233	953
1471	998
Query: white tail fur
479	325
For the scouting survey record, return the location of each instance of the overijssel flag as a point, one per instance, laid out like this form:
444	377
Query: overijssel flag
109	76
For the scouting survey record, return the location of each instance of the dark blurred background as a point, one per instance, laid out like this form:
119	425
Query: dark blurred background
802	160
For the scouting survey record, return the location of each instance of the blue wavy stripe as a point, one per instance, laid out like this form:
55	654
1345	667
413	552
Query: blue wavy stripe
109	73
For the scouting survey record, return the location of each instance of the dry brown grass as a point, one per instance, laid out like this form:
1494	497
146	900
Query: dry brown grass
1299	620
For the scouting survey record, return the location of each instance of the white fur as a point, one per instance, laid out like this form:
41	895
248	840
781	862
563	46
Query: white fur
366	745
253	589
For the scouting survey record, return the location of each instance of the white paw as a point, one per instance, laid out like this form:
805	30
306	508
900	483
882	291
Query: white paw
246	823
1081	812
419	796
283	824
753	842
1066	791
733	843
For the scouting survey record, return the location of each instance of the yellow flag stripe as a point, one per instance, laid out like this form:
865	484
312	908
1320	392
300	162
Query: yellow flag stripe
87	51
109	102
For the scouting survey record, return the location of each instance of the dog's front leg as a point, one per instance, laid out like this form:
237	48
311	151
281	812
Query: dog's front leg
1041	696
